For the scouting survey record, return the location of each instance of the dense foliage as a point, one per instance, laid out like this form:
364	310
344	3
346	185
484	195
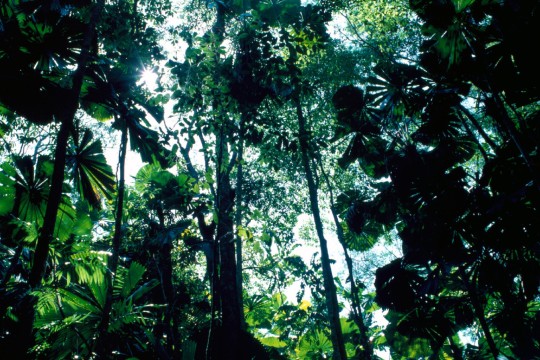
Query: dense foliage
347	179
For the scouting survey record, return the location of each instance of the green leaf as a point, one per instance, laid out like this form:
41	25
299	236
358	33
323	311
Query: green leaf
4	128
90	266
460	5
144	140
79	301
83	224
272	12
362	241
99	291
32	189
278	299
65	219
313	345
209	177
7	188
133	276
144	176
92	175
348	326
409	348
154	108
272	341
244	233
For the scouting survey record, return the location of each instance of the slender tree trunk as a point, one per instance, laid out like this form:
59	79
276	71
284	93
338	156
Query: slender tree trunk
165	270
166	273
483	323
330	288
46	232
102	346
55	195
367	351
501	115
473	137
228	294
225	291
238	219
72	103
456	350
478	127
479	312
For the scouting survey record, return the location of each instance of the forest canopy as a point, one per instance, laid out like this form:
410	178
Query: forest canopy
354	179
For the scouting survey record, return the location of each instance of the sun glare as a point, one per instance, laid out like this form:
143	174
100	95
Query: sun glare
150	79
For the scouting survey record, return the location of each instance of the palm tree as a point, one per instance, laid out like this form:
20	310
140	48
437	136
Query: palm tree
444	161
68	317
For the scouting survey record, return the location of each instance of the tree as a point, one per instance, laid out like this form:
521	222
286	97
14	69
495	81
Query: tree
69	317
41	32
443	193
411	123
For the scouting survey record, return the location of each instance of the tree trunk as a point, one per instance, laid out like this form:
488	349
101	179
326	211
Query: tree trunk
479	313
228	294
46	232
55	195
478	127
495	108
165	273
225	294
367	348
238	220
101	342
330	288
72	104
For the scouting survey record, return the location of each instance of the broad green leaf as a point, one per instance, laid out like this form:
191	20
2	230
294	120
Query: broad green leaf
7	188
162	178
99	292
83	224
272	12
153	106
272	341
460	5
348	326
133	276
313	345
144	140
92	175
188	349
244	233
409	348
31	182
365	239
65	219
279	299
144	176
209	177
90	266
79	301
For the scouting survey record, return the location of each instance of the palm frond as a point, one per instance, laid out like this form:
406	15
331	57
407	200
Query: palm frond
92	175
